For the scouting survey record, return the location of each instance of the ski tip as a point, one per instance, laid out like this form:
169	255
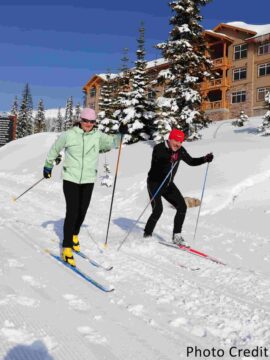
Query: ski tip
13	199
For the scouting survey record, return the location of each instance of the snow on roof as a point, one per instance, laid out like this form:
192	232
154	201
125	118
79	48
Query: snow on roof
156	62
104	76
218	34
149	65
259	29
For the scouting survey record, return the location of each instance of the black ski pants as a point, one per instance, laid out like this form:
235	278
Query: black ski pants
171	193
78	198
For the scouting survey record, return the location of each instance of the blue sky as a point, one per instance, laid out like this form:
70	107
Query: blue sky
57	45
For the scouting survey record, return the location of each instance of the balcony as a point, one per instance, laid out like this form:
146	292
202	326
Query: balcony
215	105
222	62
215	84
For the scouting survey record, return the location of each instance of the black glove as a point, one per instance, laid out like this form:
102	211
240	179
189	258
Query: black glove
123	129
209	157
47	172
58	159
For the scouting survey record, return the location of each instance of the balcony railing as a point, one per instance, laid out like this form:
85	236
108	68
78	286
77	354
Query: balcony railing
215	84
220	62
214	105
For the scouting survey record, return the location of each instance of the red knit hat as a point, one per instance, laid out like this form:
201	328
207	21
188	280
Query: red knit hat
177	135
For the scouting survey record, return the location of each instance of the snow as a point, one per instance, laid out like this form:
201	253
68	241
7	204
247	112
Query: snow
259	29
149	64
164	300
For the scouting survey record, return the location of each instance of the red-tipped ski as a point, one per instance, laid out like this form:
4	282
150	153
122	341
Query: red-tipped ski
192	251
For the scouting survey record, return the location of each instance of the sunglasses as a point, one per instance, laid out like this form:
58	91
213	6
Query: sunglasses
88	121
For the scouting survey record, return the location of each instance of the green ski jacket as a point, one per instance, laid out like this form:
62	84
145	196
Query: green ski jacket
81	153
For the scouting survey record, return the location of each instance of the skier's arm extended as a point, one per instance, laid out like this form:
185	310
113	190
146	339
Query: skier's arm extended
108	142
191	160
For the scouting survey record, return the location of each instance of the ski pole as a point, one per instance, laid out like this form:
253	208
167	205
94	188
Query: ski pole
153	197
114	184
57	162
14	199
201	200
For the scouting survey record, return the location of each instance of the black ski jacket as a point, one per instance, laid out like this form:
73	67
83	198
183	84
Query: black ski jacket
163	159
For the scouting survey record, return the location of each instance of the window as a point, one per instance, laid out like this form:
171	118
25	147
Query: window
264	69
93	92
240	74
238	96
261	92
240	51
264	49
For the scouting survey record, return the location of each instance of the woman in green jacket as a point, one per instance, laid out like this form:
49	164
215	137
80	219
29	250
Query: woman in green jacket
82	145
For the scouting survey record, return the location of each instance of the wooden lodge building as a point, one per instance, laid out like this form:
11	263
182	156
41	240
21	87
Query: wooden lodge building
241	60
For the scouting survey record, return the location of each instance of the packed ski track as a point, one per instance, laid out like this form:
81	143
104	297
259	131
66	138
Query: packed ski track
164	299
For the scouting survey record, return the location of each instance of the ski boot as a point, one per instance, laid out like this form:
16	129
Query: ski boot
76	245
67	256
179	240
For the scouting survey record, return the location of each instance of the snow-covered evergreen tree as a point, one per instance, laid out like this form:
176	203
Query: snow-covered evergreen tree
59	124
15	106
137	115
107	179
122	88
241	120
68	123
106	121
162	122
25	121
77	112
185	51
264	128
39	121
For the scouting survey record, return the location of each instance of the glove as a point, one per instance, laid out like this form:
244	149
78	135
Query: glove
47	172
209	157
123	129
58	159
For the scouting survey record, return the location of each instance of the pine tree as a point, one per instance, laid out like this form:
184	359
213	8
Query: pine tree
137	116
59	122
39	122
242	119
185	51
77	112
122	88
69	114
14	110
107	179
22	122
162	123
106	121
264	128
25	121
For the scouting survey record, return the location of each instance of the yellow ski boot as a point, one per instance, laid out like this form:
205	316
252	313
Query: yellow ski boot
67	256
76	245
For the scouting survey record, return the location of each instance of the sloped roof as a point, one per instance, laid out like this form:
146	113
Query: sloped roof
256	31
259	30
218	35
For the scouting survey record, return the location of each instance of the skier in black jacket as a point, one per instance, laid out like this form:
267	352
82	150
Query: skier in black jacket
166	156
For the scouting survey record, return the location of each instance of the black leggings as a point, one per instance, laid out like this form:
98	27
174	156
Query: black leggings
78	198
174	197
